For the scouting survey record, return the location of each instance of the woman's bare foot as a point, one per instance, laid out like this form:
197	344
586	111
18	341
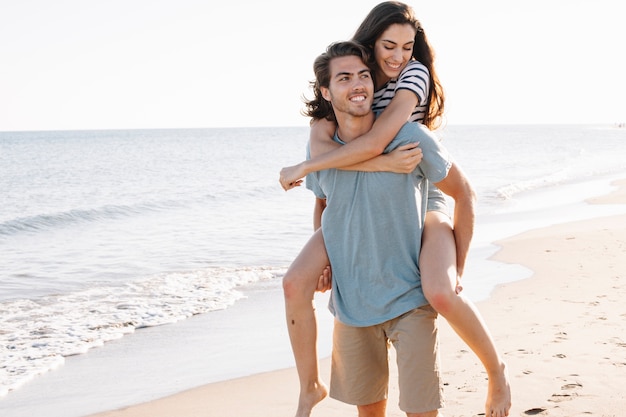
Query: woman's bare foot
310	398
498	394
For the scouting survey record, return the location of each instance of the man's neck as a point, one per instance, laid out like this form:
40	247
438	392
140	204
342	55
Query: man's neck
351	127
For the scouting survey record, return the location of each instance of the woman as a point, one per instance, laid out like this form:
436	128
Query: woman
407	88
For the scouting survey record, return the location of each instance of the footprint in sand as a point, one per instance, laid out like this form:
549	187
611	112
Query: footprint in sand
535	411
572	386
565	396
557	398
519	352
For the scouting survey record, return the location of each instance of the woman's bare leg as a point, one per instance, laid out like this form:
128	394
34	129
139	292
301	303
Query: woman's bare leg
438	266
299	284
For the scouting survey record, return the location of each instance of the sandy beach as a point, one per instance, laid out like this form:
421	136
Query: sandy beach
561	332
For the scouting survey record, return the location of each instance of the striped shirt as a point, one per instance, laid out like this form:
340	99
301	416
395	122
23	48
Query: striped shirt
414	77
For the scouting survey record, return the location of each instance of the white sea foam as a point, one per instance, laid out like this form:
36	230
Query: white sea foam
38	334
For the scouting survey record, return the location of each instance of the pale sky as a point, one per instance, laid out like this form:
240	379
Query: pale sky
120	64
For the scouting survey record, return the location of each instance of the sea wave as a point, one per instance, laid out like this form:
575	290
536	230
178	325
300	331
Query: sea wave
508	191
37	335
49	221
79	216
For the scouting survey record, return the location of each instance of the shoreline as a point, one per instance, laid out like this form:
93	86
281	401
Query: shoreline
560	332
250	339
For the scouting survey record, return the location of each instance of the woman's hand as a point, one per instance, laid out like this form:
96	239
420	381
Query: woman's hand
291	177
403	159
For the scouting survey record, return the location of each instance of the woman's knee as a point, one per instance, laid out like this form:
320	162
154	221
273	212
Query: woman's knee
299	284
293	288
441	302
288	285
300	280
441	297
438	262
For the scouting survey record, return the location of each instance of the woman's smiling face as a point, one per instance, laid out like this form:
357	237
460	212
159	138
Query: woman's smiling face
392	51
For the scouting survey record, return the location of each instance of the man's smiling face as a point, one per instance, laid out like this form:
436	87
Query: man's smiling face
351	88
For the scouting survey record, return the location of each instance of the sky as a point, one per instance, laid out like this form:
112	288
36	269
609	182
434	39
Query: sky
132	64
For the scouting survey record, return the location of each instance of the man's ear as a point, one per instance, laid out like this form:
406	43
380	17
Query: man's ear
325	93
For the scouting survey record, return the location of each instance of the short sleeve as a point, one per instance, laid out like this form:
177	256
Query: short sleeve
415	77
312	180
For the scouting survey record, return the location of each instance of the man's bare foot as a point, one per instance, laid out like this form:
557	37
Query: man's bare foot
498	394
309	399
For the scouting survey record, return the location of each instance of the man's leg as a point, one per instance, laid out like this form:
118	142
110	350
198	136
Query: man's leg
360	367
434	413
414	336
373	410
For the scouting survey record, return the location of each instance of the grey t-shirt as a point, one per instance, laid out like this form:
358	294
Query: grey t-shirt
372	228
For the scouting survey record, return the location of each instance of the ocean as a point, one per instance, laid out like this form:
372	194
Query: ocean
104	233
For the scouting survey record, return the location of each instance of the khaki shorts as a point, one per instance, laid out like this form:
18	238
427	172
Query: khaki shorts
360	364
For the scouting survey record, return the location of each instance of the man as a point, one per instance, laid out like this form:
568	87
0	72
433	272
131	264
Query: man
372	226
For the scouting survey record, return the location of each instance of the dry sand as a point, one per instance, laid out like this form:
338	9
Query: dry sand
561	331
